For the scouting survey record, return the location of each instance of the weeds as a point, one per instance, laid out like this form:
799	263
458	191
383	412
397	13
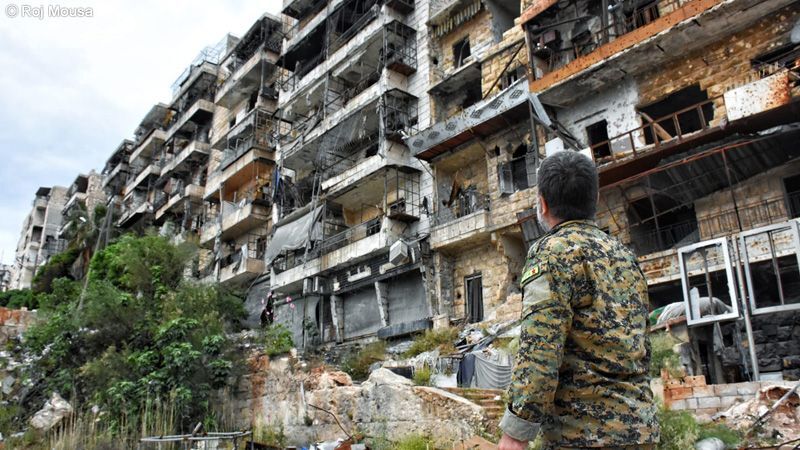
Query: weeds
277	340
433	339
664	357
422	376
356	364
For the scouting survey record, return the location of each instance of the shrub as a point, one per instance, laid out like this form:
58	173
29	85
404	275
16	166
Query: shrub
422	376
679	429
431	340
663	355
732	438
415	442
357	363
18	298
277	340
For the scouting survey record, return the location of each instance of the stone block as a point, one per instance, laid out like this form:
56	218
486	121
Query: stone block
695	380
728	401
703	391
677	405
691	403
708	402
679	393
726	390
747	389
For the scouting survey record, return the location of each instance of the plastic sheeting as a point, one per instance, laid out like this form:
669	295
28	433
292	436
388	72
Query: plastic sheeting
294	235
492	370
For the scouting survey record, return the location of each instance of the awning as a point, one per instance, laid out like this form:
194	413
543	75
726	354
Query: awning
295	234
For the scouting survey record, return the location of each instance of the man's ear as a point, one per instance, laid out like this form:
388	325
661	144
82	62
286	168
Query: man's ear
544	207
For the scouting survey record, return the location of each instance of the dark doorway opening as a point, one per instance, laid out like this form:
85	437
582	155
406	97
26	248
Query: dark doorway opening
474	288
792	186
660	224
597	135
461	51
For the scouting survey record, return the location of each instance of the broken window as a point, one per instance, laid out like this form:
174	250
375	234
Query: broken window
515	175
684	111
792	187
785	56
709	285
531	230
474	289
597	136
772	267
461	52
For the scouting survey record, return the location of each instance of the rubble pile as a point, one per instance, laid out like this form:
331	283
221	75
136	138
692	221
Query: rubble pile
770	411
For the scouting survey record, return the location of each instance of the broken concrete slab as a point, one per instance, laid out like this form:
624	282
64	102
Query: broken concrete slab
54	410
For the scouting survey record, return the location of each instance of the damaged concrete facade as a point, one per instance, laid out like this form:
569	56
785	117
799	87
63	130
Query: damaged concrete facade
688	108
39	240
347	255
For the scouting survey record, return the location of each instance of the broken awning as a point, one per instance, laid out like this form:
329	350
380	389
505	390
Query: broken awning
294	234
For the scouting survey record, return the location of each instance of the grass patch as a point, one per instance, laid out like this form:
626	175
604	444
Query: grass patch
732	438
277	340
422	376
679	429
433	339
357	363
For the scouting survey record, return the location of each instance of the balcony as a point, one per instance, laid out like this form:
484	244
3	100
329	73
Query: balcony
40	203
149	171
191	192
195	152
463	224
755	106
75	199
479	120
254	163
116	177
237	219
149	145
633	40
250	131
241	266
198	114
300	9
132	211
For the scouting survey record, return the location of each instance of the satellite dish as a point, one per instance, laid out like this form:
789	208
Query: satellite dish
796	33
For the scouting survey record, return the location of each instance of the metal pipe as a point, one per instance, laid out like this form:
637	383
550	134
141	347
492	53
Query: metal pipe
748	326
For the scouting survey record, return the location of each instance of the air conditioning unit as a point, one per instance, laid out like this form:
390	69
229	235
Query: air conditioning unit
398	253
316	286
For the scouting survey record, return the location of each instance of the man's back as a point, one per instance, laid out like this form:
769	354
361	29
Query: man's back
582	369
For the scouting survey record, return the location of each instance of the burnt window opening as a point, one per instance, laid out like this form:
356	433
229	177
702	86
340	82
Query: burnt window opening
772	270
597	135
792	187
472	93
639	13
461	52
511	76
473	285
687	108
518	173
664	294
531	230
670	225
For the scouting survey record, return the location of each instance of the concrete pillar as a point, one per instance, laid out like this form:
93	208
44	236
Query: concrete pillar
382	297
337	314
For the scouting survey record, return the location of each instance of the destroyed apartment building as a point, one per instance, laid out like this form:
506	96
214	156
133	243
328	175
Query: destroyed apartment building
688	108
366	169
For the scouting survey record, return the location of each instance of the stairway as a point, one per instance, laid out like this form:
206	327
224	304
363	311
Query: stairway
491	400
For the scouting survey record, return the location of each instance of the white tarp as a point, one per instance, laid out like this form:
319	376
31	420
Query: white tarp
294	235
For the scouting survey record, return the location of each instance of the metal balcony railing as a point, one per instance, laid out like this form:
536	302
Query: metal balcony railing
351	235
468	202
585	40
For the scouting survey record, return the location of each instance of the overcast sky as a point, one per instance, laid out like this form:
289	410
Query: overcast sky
72	88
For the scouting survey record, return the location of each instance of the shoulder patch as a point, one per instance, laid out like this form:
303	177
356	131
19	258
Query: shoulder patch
532	271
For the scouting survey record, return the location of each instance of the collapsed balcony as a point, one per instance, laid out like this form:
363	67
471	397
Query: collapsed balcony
566	39
250	65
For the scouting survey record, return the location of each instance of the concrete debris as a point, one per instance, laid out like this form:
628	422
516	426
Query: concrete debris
785	419
52	413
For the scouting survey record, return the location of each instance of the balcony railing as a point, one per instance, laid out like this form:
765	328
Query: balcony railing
584	40
468	202
667	130
338	41
665	237
351	235
252	252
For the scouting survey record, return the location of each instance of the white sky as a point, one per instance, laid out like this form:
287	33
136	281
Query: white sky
72	88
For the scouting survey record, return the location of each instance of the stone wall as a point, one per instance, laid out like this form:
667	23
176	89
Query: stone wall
694	395
14	322
385	406
499	60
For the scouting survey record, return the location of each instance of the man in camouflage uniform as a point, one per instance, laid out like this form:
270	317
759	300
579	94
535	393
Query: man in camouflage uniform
581	374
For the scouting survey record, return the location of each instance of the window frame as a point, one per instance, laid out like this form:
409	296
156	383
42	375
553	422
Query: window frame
792	225
729	275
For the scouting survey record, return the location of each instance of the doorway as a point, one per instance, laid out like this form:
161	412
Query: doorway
474	288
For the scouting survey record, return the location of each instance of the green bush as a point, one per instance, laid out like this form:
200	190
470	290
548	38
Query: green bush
277	340
679	429
59	266
732	438
138	335
431	340
357	363
663	355
422	376
416	442
18	298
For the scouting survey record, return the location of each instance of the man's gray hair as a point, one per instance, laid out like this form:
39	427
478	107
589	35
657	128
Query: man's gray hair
569	184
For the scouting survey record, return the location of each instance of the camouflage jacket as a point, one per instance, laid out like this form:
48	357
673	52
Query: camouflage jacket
581	374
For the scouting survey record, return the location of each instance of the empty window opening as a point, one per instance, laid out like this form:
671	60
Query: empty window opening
461	52
640	12
786	56
597	135
792	186
773	272
472	93
474	288
682	112
670	225
664	294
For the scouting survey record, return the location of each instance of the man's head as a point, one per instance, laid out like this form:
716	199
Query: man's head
568	189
